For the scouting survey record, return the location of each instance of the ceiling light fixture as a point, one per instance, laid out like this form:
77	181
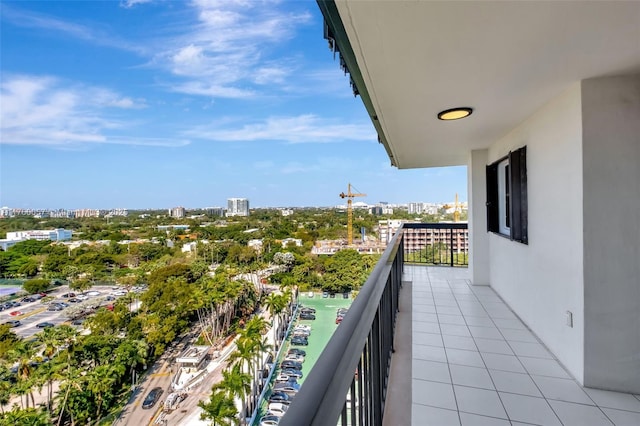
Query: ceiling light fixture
455	113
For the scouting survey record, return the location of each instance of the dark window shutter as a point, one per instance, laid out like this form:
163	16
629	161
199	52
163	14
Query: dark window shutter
518	204
492	198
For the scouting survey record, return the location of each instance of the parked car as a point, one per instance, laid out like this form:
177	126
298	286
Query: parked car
297	351
269	420
277	408
92	293
109	298
28	299
13	323
342	311
306	316
292	372
77	322
152	397
308	310
15	313
302	327
291	364
325	294
68	295
279	397
300	333
55	308
289	388
74	300
45	324
300	341
294	357
339	319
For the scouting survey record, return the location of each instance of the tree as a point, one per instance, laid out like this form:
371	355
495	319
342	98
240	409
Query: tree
220	408
36	285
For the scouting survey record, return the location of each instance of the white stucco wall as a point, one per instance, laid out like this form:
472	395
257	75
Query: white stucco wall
543	280
478	237
611	154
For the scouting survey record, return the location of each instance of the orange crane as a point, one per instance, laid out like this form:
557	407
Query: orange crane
350	195
456	212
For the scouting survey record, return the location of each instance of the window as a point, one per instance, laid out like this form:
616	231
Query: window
507	196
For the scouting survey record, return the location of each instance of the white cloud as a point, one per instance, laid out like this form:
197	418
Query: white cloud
225	54
299	129
43	111
127	4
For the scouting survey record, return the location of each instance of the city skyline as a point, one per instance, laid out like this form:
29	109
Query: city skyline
146	104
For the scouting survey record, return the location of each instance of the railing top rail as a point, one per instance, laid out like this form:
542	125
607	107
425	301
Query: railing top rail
440	225
319	401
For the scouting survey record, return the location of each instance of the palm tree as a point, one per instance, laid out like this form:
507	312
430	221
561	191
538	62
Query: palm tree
23	353
237	383
220	408
275	304
100	382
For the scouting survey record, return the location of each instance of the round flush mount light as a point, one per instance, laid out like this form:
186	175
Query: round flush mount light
455	113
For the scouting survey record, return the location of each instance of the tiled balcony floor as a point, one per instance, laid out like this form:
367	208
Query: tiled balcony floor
475	363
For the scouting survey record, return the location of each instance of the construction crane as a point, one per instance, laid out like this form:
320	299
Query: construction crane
350	195
456	212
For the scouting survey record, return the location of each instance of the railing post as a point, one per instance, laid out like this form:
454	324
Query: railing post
451	245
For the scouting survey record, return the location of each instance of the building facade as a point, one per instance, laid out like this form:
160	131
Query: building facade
237	207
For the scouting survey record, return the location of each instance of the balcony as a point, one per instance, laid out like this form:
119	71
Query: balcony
429	348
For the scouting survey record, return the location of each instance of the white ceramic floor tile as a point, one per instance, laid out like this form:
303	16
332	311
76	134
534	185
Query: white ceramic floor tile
518	335
433	393
622	418
562	390
579	415
514	324
503	362
424	308
459	342
483	321
528	409
470	376
425	327
485	332
493	346
455	330
462	357
534	350
479	401
450	310
506	381
544	367
476	312
423	415
429	353
424	317
451	319
617	400
446	302
476	420
430	370
429	339
503	314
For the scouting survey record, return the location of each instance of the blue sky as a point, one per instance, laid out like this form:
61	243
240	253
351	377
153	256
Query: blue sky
153	104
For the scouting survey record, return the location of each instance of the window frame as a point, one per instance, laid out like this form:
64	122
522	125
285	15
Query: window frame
507	203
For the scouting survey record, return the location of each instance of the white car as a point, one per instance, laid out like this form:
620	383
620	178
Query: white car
82	297
302	328
294	357
277	409
119	293
93	293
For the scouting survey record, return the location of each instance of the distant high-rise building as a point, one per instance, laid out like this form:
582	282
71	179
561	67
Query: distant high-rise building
416	208
87	213
215	211
177	212
237	207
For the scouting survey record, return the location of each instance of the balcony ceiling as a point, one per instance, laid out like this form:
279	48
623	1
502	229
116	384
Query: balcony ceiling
504	59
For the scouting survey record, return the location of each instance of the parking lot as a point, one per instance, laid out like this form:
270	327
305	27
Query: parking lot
30	314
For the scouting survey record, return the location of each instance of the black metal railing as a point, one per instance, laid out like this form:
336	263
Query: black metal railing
348	383
436	243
